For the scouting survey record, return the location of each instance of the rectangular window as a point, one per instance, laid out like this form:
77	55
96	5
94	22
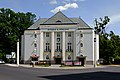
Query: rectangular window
47	46
35	35
35	45
58	46
69	46
81	35
47	34
81	44
69	34
58	34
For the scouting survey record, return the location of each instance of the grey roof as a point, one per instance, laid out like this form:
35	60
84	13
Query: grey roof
37	23
59	18
81	22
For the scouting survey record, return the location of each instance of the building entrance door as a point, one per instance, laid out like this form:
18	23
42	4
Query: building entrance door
58	60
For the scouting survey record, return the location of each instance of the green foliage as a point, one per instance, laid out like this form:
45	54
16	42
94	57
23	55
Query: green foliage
110	47
109	43
12	26
101	24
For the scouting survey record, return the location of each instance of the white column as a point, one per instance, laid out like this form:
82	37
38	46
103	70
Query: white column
18	53
63	45
52	46
97	46
96	49
41	46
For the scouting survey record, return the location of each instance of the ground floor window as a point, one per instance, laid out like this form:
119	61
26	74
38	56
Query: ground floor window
47	46
69	46
58	47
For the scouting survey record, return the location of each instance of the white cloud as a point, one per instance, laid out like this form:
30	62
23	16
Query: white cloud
81	0
65	7
114	19
53	2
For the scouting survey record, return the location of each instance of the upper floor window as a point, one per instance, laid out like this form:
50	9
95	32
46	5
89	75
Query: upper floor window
58	34
81	44
69	34
47	34
35	45
81	35
35	35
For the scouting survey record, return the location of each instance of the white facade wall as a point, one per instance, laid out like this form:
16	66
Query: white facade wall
88	45
76	40
77	43
29	41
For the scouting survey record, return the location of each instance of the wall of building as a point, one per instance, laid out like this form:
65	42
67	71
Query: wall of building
29	41
88	46
86	50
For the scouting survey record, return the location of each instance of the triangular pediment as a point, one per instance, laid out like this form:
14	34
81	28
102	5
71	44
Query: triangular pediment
59	17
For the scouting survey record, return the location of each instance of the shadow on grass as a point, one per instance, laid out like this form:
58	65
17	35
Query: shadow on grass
85	76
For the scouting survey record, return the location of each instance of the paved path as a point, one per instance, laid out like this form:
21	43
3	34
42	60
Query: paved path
26	72
56	66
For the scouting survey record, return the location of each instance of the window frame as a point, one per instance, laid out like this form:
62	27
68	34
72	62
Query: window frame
47	46
58	34
69	34
47	34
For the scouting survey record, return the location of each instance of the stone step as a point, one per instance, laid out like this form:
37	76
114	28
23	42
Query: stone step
55	65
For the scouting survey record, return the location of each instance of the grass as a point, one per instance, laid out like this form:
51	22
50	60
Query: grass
43	65
108	64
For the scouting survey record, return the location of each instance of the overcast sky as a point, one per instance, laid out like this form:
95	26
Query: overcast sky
88	10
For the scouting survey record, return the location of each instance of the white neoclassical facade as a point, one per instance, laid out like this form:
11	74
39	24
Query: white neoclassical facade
58	39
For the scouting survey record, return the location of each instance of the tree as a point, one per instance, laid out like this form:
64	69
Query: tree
115	41
12	26
100	26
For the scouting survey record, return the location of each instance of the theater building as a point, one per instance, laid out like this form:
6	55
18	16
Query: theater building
58	39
